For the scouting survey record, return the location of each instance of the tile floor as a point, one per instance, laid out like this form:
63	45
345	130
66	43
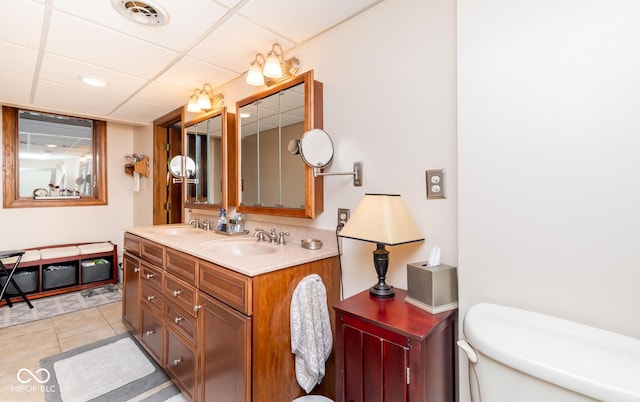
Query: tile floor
22	346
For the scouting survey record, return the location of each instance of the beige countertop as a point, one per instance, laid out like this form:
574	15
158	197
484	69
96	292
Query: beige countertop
242	253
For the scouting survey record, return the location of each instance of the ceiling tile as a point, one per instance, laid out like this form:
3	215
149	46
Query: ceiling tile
24	24
140	112
74	100
68	72
235	43
163	94
18	60
303	18
190	73
187	22
15	89
105	47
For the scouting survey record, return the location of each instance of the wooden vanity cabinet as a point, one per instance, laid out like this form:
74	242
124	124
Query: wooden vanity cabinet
221	335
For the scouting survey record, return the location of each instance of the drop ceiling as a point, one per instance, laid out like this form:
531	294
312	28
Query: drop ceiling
48	45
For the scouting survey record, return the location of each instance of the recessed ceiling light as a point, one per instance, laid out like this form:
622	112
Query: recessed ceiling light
245	115
143	12
93	81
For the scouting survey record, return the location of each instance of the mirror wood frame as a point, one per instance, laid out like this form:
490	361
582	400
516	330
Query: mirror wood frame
11	167
313	115
229	159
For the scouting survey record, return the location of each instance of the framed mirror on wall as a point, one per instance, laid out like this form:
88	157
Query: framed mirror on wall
211	142
274	182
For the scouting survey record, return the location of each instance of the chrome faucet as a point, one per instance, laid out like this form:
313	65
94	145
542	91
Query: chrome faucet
263	235
202	224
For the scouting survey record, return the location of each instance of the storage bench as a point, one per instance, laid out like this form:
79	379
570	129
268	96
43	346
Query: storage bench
46	271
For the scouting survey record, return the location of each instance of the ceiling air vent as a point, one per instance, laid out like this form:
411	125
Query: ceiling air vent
142	12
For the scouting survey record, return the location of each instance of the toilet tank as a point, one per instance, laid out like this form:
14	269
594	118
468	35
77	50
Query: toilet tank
587	361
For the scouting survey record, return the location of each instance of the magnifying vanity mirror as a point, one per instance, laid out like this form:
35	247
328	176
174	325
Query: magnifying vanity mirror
210	141
182	167
274	182
316	149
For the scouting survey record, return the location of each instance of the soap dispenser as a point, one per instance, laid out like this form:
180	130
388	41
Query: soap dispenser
222	221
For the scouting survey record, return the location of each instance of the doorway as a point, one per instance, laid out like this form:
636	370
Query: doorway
167	143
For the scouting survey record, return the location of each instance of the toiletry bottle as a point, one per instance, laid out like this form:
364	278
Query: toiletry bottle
222	221
239	222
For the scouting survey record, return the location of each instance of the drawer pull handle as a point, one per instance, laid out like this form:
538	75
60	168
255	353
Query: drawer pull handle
149	276
176	293
136	269
150	332
177	361
150	298
177	320
197	308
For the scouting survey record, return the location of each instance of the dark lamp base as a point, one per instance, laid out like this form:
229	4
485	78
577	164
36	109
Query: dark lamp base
381	291
381	263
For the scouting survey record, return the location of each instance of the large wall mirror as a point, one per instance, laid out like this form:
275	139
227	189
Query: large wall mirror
210	141
274	182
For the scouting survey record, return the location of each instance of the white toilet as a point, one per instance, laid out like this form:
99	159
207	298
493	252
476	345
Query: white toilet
518	355
312	398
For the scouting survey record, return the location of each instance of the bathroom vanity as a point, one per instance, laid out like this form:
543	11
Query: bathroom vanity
213	310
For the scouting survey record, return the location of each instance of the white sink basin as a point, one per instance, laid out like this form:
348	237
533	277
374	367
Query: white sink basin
240	247
176	230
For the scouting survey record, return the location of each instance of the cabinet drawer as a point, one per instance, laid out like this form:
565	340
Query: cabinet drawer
132	243
151	275
227	286
182	265
182	321
152	333
181	363
180	293
153	298
152	252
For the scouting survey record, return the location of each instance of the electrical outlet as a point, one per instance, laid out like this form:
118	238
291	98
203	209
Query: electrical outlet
343	216
436	184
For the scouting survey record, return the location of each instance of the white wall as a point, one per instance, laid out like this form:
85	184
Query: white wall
549	174
389	101
143	199
35	227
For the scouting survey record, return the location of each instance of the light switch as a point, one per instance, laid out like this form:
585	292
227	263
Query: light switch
436	184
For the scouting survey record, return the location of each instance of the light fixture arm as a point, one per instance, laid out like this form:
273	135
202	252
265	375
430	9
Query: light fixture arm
357	173
279	54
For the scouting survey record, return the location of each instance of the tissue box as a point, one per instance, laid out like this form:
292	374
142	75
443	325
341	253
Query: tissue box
434	289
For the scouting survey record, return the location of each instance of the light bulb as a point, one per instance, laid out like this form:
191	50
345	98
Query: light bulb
272	67
254	75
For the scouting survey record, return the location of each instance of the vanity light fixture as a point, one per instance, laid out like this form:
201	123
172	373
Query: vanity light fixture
202	99
273	69
385	220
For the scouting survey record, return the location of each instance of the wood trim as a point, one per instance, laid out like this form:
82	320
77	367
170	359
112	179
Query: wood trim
11	170
160	126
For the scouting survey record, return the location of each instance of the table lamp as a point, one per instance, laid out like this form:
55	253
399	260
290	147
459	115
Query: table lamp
382	219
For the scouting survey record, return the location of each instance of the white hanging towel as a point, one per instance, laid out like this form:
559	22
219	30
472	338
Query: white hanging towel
311	337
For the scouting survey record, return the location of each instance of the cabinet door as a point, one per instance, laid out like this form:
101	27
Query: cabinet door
375	369
181	362
225	353
131	293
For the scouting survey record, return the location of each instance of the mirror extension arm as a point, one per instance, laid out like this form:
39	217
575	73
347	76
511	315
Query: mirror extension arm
357	173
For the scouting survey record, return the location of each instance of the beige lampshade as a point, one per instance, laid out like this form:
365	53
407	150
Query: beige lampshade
383	219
